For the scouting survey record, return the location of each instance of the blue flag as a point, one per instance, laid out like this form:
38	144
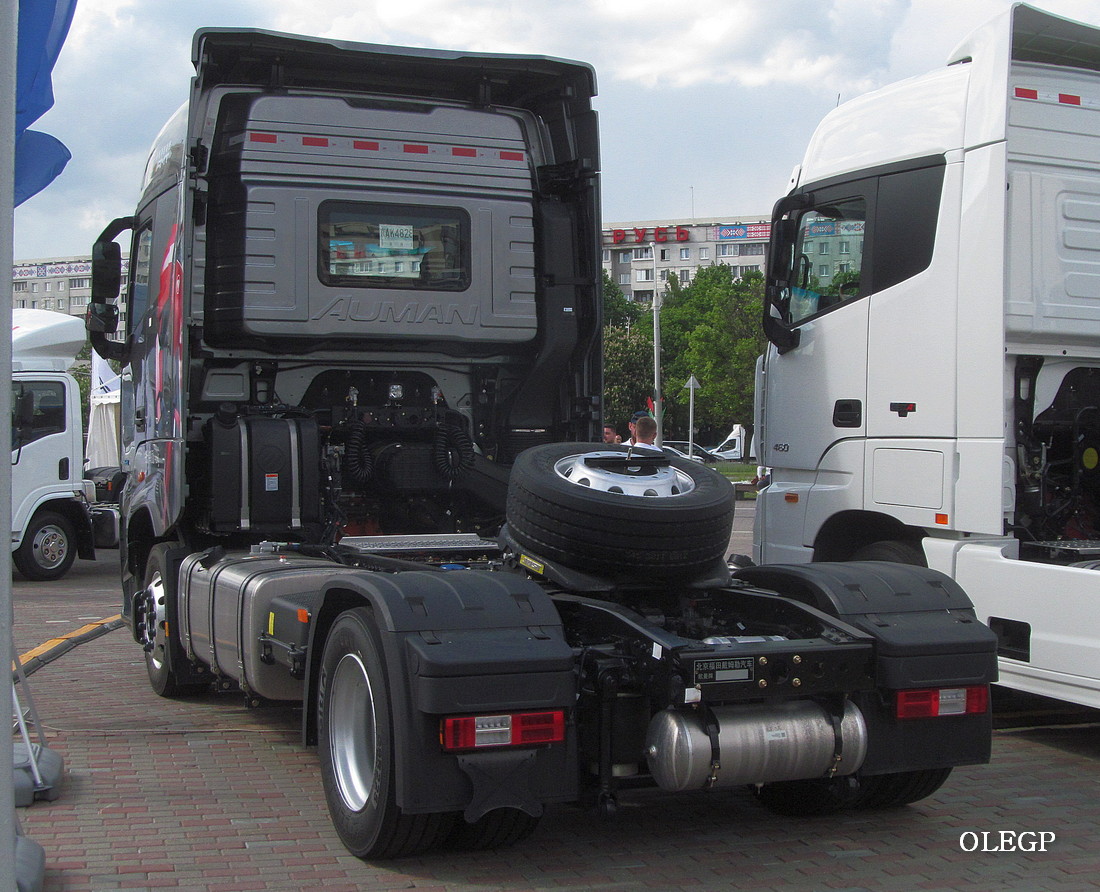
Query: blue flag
39	158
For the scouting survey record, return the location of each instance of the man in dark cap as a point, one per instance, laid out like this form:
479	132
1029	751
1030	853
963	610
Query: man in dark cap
641	413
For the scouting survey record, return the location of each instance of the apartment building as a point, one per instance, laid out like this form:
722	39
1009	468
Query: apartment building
637	254
61	284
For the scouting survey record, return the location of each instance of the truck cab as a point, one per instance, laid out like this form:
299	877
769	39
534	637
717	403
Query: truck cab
400	288
930	392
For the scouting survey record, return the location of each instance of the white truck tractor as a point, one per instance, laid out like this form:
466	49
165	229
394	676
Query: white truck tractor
931	394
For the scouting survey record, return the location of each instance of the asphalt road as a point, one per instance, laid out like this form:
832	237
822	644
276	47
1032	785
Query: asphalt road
205	794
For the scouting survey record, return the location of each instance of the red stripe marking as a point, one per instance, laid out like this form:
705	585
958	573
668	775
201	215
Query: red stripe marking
511	156
365	144
314	141
1069	99
465	153
416	150
1026	93
262	137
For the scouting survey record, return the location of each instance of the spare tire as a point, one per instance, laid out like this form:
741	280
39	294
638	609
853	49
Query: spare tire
610	512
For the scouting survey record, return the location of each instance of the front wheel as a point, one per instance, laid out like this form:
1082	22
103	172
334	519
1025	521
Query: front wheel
356	747
151	614
48	548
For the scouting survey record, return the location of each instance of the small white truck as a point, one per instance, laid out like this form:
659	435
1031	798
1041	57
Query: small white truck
736	446
54	518
931	394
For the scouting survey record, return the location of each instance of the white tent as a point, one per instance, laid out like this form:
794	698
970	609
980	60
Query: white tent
102	447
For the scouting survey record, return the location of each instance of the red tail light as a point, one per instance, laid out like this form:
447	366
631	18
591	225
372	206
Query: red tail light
936	702
514	729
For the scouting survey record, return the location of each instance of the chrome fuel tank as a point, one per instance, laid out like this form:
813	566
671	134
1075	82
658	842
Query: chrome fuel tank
757	743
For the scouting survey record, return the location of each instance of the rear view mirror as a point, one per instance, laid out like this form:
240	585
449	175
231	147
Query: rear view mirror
106	272
102	316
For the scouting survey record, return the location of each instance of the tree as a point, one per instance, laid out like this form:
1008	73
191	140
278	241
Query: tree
627	373
710	328
618	310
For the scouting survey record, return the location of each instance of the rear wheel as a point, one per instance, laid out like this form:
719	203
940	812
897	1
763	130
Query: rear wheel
48	548
894	551
805	798
902	788
356	747
500	827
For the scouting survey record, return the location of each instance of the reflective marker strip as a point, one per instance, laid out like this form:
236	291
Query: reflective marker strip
1035	95
370	145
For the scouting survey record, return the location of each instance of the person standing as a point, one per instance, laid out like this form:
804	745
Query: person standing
632	425
645	432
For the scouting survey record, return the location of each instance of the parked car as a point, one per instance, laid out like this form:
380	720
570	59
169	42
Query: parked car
697	452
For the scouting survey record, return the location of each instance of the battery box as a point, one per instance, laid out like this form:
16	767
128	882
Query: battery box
265	474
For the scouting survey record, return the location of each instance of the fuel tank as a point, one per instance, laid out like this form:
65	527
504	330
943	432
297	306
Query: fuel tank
757	743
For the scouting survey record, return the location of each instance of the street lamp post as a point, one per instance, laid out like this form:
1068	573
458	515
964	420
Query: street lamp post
658	408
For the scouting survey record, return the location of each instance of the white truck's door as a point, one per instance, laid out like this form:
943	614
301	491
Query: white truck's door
45	445
816	393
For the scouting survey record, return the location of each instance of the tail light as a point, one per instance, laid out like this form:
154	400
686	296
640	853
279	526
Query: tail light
935	702
473	732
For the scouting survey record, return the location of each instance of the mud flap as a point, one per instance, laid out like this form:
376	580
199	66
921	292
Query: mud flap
500	780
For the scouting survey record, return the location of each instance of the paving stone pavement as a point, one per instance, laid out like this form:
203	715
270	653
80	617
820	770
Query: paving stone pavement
205	794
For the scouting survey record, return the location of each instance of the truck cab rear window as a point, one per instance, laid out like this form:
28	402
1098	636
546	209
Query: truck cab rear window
367	245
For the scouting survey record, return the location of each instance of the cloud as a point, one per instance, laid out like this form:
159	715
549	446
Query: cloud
819	46
716	98
649	43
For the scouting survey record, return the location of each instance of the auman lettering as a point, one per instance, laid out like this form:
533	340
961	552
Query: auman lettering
344	309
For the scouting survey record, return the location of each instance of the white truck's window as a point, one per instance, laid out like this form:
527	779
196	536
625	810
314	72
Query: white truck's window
38	410
394	246
828	257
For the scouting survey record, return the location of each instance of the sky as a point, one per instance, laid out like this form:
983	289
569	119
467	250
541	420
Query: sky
704	108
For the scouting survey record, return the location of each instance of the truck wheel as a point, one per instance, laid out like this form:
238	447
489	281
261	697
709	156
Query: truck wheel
892	550
805	798
569	503
356	747
902	788
48	549
500	827
151	617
